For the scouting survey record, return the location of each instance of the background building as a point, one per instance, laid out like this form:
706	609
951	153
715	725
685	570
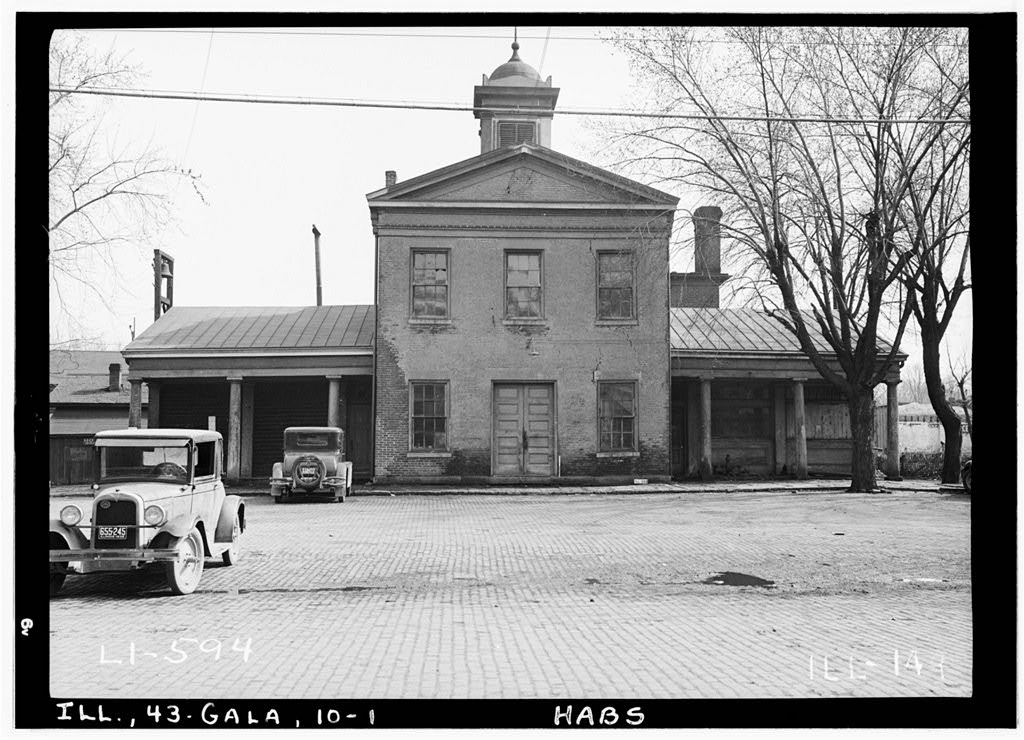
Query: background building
87	395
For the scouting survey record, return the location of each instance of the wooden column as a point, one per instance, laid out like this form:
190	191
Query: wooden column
705	468
135	403
248	395
801	427
779	398
334	401
153	412
892	431
234	429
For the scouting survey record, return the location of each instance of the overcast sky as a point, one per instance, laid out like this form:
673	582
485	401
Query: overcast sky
270	172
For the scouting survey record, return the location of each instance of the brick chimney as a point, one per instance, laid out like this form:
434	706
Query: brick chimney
114	376
707	240
390	178
699	289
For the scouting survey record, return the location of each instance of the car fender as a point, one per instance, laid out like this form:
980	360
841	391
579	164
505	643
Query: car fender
179	527
277	471
72	535
225	523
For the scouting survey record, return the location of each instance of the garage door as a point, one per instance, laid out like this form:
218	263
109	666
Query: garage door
189	405
278	404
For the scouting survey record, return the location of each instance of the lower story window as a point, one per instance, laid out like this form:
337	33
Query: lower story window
617	416
429	416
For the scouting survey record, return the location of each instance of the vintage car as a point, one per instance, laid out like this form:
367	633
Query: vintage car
313	464
158	499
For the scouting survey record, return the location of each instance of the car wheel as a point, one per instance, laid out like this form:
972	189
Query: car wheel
57	579
966	478
183	574
234	552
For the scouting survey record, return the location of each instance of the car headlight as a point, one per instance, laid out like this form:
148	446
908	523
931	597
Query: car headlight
71	515
154	515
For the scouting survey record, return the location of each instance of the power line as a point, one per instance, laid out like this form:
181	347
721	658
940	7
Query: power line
328	102
471	36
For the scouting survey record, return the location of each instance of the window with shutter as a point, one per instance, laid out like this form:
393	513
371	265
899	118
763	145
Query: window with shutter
515	132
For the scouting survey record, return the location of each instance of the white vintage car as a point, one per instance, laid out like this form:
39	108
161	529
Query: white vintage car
158	499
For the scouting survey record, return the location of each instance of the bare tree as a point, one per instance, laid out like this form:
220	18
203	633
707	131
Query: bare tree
792	135
912	385
936	227
960	370
103	195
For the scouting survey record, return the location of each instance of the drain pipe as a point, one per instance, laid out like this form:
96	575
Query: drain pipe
316	248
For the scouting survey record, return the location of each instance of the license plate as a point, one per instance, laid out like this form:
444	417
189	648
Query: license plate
113	533
308	471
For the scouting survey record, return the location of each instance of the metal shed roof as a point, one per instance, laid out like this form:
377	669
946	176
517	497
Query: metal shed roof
740	331
194	330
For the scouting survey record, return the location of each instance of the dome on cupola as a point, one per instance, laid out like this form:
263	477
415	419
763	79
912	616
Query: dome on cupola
515	72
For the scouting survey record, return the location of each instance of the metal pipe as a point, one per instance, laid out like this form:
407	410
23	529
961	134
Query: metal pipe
316	248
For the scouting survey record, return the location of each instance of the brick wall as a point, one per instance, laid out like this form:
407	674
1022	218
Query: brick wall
478	347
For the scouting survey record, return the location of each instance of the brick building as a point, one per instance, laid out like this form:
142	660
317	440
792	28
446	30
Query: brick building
526	328
522	309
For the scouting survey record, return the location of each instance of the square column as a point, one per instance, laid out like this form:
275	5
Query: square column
705	468
801	427
334	401
135	403
234	429
892	431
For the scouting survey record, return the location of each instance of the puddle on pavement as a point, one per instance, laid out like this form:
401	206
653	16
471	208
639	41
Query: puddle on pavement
729	578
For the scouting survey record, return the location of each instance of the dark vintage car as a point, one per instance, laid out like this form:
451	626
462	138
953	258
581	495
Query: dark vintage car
313	464
158	501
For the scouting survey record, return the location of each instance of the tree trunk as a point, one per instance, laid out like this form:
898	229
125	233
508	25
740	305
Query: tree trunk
947	416
862	422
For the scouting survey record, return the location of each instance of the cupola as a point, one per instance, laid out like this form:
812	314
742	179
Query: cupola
520	105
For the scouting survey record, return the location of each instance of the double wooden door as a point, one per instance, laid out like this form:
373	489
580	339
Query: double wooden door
524	429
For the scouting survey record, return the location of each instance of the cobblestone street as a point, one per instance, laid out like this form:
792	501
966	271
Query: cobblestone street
546	596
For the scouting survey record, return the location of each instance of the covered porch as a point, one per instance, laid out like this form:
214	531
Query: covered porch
250	372
747	401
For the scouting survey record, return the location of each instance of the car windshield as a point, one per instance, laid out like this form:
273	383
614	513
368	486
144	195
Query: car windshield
312	440
167	464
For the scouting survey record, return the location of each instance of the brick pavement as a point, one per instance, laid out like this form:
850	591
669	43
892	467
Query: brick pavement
547	597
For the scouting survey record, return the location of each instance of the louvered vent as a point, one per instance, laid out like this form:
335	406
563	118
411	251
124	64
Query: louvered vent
515	132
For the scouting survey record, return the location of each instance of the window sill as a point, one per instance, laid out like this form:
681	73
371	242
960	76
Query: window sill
429	322
524	322
428	454
623	453
617	322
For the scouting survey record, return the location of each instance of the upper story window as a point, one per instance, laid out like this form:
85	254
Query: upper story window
429	285
516	132
615	285
523	299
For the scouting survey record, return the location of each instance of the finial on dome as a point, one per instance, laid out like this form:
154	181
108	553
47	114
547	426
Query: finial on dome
515	45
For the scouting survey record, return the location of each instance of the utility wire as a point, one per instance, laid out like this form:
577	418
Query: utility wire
328	102
435	35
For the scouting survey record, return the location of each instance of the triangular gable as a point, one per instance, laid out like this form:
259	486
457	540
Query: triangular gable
524	173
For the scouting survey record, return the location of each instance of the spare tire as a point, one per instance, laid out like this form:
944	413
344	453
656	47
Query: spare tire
307	472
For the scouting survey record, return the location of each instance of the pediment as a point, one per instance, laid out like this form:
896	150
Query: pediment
524	174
